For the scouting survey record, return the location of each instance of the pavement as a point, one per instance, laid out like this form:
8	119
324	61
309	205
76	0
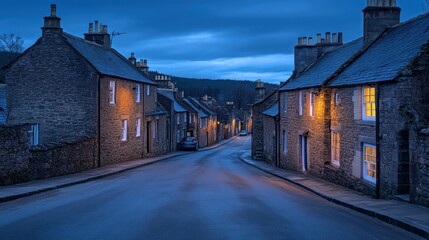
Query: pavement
412	218
12	192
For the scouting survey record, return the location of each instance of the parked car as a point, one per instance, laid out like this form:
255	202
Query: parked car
243	133
189	143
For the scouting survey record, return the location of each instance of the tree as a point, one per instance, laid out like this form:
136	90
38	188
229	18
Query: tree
11	43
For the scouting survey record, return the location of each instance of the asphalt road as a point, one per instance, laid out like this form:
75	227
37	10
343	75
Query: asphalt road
204	195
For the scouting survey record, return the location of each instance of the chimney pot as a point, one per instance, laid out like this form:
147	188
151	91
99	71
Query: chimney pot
310	41
90	28
319	38
304	41
96	26
334	38
53	10
340	38
300	41
328	37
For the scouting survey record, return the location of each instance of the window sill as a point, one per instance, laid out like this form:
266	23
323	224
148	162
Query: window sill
365	123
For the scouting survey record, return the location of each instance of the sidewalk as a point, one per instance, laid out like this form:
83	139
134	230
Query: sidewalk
410	217
11	192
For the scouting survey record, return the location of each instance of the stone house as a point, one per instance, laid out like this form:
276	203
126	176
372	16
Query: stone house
270	128
178	122
68	88
353	115
207	129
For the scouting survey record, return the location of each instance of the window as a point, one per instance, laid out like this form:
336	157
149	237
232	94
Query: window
285	103
157	127
284	141
178	118
138	93
335	148
369	162
34	134
201	122
300	103
148	90
184	117
154	129
124	129
112	94
368	103
337	99
312	99
138	127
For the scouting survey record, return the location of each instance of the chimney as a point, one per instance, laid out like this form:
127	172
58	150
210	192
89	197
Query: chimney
132	59
340	38
378	16
334	38
306	52
52	24
100	35
142	65
260	90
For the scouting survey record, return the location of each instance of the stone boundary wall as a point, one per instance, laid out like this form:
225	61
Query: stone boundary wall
420	170
14	154
64	158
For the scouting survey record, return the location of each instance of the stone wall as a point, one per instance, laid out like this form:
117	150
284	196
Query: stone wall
53	86
113	149
270	145
63	158
14	154
3	105
419	191
258	125
158	136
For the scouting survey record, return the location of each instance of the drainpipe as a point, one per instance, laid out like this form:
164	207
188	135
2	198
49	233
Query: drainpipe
99	121
377	139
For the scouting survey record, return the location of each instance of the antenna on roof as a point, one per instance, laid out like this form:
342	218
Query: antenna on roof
114	33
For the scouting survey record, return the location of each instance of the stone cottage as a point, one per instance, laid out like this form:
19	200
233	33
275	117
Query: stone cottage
355	115
5	59
68	87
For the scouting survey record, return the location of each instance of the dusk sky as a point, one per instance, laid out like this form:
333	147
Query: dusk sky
234	39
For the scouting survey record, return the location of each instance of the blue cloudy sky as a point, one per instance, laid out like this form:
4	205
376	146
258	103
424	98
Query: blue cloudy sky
234	39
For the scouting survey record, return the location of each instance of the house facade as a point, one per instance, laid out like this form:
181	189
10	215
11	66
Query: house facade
354	115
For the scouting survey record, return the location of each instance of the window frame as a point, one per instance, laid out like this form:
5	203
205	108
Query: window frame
148	90
34	134
334	148
312	103
365	176
138	127
138	93
112	92
300	103
124	128
364	104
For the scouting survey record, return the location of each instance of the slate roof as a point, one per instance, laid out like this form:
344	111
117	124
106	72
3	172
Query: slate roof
272	111
203	107
201	113
170	95
5	59
389	55
324	67
107	61
160	110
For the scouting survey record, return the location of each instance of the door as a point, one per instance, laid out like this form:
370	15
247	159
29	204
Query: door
303	143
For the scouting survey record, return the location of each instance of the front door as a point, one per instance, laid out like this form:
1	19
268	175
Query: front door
303	143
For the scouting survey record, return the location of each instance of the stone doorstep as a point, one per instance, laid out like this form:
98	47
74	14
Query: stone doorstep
389	211
20	190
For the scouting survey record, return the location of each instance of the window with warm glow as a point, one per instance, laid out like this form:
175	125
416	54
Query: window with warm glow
124	129
368	103
112	90
369	163
312	100
300	103
335	148
138	93
138	127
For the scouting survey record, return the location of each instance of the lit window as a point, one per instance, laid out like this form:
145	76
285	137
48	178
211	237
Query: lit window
34	134
138	127
368	103
312	99
138	93
285	103
284	141
335	148
300	103
148	90
112	89
124	129
369	163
